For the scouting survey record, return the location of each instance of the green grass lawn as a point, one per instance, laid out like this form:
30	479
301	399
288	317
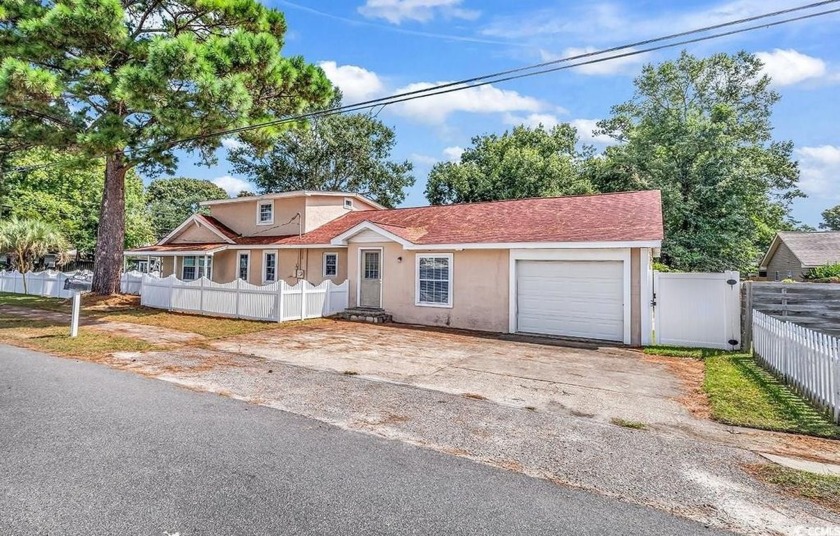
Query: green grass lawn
742	393
208	326
48	337
35	302
824	489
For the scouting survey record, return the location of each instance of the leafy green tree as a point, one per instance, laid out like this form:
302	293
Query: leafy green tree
171	201
700	131
66	190
133	81
525	162
831	219
29	240
348	153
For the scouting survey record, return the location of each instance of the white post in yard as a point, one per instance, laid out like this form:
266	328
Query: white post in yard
238	286
328	291
303	284
278	300
74	319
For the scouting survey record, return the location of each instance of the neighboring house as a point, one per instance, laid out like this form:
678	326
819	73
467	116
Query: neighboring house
792	254
577	266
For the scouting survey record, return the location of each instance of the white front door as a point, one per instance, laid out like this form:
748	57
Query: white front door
370	278
583	299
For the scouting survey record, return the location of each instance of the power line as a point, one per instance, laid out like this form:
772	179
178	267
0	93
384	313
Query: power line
559	64
397	29
524	72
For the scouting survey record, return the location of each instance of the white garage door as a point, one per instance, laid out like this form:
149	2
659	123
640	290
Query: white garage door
571	298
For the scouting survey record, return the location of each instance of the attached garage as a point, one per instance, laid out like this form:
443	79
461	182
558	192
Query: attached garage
582	299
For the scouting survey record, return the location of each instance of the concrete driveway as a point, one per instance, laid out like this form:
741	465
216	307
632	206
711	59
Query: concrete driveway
602	383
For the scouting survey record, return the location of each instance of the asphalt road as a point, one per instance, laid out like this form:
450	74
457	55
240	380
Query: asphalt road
88	450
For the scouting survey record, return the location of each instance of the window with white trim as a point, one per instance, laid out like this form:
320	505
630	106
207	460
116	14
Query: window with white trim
270	267
194	267
244	265
434	280
348	203
330	264
265	213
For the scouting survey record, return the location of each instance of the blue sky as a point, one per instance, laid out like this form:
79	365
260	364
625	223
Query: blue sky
373	48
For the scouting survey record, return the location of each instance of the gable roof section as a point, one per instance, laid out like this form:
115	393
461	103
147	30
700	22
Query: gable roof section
192	249
215	226
811	248
604	218
295	193
620	217
220	227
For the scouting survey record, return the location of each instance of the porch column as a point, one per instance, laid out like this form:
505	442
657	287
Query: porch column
148	263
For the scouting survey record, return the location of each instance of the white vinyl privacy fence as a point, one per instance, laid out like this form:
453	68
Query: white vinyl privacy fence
276	302
130	282
807	360
51	284
697	309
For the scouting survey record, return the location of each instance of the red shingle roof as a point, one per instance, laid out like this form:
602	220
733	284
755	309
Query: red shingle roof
176	248
619	217
221	227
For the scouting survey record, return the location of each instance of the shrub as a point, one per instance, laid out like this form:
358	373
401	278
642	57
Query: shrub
660	267
825	271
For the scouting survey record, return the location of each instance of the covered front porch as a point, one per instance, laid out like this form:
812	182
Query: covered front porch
225	263
187	262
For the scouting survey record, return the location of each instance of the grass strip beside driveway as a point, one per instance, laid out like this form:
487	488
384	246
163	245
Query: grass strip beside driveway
823	489
125	311
48	337
742	393
35	302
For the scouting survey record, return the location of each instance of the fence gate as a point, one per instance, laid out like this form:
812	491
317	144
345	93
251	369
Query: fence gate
697	309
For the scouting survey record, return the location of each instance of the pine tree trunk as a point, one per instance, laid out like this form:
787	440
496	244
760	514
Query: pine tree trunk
110	237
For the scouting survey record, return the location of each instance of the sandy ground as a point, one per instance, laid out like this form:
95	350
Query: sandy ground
543	410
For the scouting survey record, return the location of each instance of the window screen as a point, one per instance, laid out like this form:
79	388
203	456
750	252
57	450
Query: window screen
243	266
266	213
188	271
330	265
434	280
270	266
371	265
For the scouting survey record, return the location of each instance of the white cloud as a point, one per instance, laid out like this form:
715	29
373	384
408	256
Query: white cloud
397	11
532	120
608	22
787	67
356	83
232	185
481	100
232	144
453	154
624	65
422	159
819	168
586	131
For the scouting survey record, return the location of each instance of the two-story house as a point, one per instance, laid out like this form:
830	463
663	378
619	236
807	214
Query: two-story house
576	266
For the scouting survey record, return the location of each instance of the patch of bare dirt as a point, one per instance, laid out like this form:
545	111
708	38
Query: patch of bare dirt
114	302
690	372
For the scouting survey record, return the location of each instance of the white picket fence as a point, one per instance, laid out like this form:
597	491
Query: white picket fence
805	359
51	284
276	302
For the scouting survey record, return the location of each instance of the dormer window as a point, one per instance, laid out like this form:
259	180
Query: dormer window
348	203
265	212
